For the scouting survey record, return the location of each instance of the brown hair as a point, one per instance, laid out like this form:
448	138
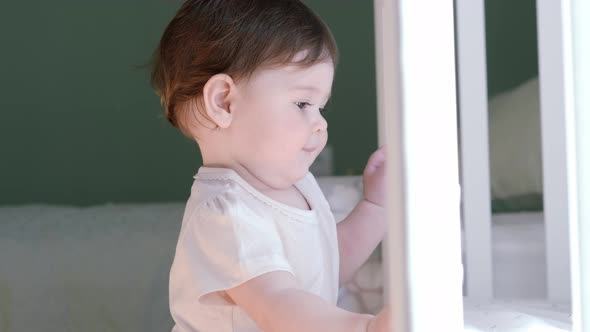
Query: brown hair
235	37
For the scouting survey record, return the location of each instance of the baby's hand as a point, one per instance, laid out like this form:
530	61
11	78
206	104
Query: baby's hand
382	322
374	178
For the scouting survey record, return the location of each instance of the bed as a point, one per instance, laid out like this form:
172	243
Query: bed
519	302
105	267
519	280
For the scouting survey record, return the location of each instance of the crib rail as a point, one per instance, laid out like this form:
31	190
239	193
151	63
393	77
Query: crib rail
475	165
400	44
418	107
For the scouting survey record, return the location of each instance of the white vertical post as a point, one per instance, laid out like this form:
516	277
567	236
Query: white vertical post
580	235
385	60
417	102
556	101
389	110
475	165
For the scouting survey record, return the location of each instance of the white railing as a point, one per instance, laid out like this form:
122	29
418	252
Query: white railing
556	104
416	91
475	161
417	119
579	14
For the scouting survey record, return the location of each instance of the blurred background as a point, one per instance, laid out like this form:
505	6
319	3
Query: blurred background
81	125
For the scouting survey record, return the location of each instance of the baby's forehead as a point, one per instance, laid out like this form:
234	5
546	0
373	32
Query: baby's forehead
316	78
295	72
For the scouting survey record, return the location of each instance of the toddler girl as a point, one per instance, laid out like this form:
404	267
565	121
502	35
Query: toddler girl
258	248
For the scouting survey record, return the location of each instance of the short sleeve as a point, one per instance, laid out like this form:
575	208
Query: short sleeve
227	242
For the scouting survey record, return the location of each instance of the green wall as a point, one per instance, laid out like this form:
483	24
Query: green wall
80	124
511	43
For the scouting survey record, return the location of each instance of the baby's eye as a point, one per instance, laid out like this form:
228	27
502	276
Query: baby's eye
302	104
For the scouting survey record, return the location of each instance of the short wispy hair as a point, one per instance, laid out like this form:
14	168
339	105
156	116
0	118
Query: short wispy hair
235	37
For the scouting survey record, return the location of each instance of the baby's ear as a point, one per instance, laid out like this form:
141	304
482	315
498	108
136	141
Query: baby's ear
216	99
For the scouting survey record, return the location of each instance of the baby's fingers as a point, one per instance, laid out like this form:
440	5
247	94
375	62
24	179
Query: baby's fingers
383	322
376	160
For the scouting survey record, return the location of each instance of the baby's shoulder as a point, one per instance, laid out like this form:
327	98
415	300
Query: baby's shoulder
217	195
225	208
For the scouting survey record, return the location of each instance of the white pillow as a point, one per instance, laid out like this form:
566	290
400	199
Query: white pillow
515	141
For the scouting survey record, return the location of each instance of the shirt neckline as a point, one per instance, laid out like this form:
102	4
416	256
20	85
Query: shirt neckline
211	173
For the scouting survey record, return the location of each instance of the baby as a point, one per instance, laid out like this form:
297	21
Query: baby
259	249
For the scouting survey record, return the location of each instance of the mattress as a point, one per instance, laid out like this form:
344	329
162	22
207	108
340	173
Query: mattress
518	242
78	260
518	256
515	315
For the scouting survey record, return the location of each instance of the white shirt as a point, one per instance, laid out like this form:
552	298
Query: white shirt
232	233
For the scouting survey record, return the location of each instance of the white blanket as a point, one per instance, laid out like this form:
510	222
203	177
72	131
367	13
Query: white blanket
515	316
104	268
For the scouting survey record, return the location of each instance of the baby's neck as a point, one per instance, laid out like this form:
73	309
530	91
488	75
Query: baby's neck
290	196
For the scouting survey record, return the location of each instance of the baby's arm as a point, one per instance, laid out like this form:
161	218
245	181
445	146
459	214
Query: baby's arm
276	303
365	226
358	235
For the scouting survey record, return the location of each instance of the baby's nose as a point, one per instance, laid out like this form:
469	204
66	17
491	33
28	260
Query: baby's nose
320	124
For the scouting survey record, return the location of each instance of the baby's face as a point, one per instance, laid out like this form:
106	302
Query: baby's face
278	129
